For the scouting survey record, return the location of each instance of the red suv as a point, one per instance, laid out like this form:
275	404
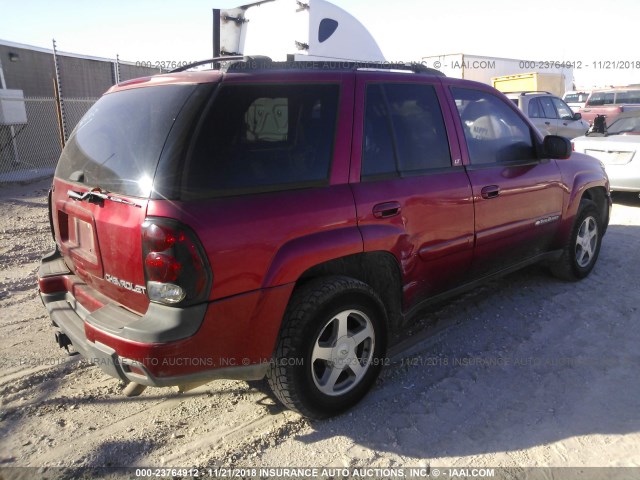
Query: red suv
279	220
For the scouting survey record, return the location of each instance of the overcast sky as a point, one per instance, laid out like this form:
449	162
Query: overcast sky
151	30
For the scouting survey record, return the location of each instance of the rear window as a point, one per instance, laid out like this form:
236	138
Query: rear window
117	144
260	138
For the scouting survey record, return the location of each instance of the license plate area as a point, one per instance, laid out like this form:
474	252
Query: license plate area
611	157
85	240
78	238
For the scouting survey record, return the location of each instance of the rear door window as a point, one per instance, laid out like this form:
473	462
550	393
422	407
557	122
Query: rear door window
548	109
535	111
404	131
259	138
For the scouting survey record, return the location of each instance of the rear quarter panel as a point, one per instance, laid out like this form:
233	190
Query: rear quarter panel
269	239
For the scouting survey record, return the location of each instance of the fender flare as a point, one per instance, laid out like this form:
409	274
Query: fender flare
300	254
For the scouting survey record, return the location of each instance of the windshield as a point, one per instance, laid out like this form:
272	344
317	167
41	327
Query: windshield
625	125
117	144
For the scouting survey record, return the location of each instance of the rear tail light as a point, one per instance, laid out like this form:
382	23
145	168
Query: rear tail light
175	266
573	147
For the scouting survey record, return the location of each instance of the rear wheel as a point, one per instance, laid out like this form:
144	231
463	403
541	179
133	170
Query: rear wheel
581	251
331	347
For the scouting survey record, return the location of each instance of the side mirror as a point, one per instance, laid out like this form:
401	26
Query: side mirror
577	116
557	147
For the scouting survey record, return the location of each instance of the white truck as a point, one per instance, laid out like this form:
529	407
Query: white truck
483	68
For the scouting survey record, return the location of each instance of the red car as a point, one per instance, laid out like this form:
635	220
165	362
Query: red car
279	220
610	102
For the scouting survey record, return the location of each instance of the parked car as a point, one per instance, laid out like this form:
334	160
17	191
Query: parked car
279	220
575	100
617	149
550	114
611	102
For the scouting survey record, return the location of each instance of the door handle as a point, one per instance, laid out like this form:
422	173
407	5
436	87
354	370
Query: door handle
547	123
386	210
491	191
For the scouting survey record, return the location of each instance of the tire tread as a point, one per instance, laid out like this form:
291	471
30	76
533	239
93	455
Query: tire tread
304	302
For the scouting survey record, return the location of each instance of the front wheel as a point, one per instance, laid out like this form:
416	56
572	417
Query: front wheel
331	347
581	251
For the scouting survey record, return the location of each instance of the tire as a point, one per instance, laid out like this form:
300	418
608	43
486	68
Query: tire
331	347
581	251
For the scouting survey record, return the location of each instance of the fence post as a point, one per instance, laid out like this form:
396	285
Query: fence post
117	70
59	102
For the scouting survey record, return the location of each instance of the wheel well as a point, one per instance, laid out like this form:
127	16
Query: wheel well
379	270
598	195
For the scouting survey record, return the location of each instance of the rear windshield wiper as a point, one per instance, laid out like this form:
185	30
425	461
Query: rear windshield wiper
97	195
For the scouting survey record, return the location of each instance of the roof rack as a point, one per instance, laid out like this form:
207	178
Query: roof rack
265	63
239	63
206	62
531	92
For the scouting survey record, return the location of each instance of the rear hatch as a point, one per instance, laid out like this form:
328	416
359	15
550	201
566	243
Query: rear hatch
102	187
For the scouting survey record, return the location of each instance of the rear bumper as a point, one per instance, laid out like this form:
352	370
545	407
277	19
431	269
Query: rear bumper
232	338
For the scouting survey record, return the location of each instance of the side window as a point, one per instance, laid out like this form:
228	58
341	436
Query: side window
494	132
535	110
404	132
378	152
598	99
563	109
548	108
630	96
263	138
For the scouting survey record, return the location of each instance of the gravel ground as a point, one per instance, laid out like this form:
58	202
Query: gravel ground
526	371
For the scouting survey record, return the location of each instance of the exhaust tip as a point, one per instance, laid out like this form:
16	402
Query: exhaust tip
62	340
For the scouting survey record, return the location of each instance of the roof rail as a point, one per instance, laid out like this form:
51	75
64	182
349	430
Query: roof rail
264	63
529	92
206	62
238	63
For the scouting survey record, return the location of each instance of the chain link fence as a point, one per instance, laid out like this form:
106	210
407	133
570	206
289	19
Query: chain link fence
31	151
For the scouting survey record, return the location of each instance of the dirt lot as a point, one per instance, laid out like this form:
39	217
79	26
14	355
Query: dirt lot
527	371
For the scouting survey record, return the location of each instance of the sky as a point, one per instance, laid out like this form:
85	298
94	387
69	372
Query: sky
543	30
